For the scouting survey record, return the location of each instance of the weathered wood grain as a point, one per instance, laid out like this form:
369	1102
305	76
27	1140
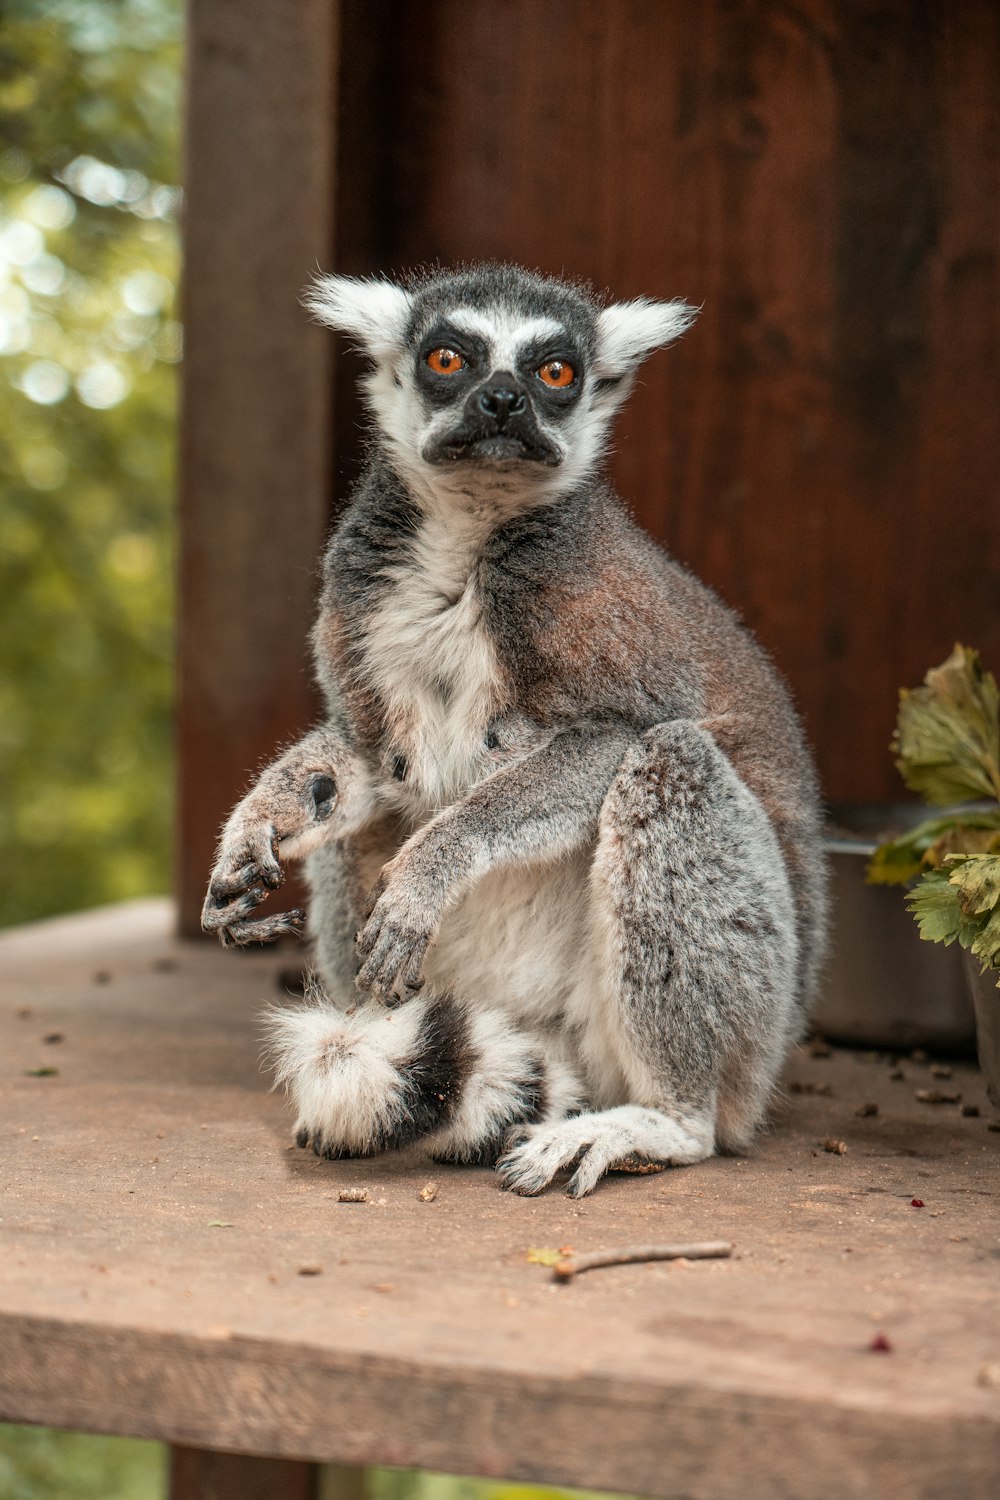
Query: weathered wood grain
156	1220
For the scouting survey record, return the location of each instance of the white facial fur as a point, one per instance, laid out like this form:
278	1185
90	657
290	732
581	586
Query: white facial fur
377	314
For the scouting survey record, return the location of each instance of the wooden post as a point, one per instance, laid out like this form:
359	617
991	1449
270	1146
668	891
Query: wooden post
197	1474
255	462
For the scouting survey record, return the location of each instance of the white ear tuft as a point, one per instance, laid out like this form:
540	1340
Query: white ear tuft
374	312
629	331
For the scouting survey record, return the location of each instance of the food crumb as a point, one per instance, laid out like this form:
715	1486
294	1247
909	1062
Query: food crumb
866	1111
916	1202
384	1286
353	1195
23	1012
938	1096
103	976
993	1124
970	1111
940	1070
918	1055
311	1269
428	1192
835	1147
53	1037
897	1075
880	1344
989	1376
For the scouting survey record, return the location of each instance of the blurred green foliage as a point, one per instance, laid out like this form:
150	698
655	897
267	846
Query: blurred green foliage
37	1463
89	341
408	1484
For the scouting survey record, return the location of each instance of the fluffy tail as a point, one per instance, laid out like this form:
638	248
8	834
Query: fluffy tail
454	1075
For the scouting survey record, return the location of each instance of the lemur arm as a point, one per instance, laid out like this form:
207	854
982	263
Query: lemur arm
316	790
545	805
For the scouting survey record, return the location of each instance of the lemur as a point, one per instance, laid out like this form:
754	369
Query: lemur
560	822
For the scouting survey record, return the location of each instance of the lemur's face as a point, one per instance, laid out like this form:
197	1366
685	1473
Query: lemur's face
492	382
497	388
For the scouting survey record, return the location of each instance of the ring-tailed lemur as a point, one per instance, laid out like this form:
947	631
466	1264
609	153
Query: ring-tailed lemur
568	782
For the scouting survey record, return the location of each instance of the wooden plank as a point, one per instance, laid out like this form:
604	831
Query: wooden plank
157	1223
822	448
255	447
197	1474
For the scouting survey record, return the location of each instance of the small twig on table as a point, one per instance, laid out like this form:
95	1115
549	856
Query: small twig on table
626	1255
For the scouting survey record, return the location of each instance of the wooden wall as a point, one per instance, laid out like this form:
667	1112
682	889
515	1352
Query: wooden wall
823	447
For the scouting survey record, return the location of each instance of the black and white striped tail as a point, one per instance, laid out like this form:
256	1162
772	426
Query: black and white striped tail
454	1075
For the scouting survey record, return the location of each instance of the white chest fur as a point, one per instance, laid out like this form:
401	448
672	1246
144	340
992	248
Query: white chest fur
432	662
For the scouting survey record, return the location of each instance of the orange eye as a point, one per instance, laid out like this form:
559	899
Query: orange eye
445	361
556	373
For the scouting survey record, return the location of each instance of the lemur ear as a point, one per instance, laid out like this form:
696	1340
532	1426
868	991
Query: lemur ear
629	331
374	312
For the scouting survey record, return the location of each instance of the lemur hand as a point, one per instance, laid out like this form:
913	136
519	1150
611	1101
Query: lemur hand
283	817
394	939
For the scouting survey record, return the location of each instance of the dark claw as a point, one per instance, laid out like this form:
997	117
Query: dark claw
317	1145
302	1138
263	930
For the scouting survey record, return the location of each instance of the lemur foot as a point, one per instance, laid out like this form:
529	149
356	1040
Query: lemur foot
392	945
628	1138
270	823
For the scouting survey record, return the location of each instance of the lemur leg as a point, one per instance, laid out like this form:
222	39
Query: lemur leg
457	1077
317	790
545	805
696	958
340	874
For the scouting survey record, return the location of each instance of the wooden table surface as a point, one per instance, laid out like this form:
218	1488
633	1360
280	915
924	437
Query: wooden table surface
157	1227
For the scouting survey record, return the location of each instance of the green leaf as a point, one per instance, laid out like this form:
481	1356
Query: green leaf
926	846
935	904
948	733
986	945
977	879
962	902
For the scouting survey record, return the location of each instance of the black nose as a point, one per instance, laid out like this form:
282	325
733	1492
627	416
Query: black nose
501	399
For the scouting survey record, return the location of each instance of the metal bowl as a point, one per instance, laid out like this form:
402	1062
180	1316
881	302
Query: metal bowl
883	985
